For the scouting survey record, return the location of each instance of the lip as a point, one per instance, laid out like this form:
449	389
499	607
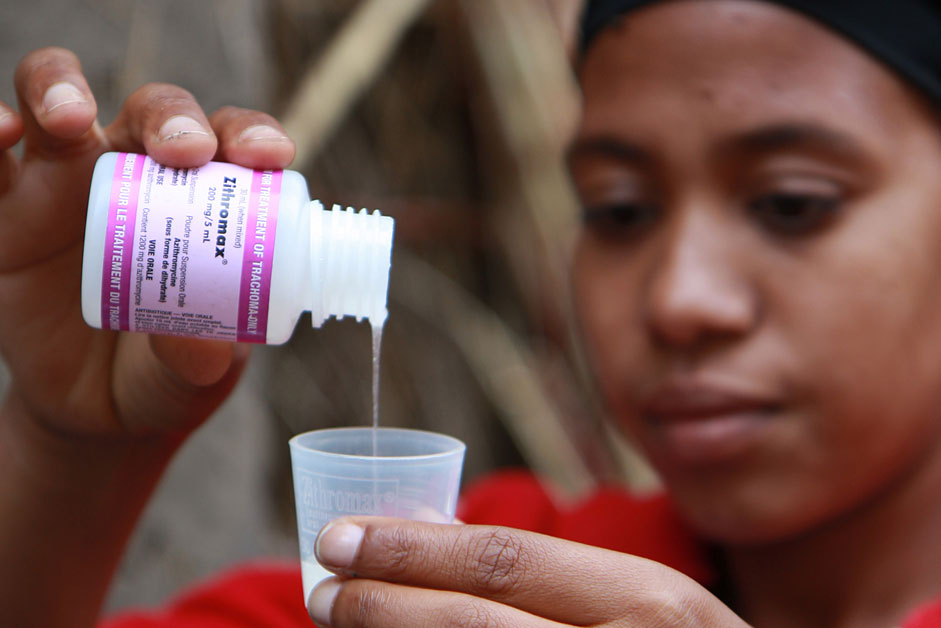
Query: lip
695	422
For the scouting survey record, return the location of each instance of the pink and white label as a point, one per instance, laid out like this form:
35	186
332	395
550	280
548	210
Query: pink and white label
189	251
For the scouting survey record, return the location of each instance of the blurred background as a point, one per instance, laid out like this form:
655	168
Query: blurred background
451	116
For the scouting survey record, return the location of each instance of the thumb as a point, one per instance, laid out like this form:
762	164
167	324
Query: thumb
167	383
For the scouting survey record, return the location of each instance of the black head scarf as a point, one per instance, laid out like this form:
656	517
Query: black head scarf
904	34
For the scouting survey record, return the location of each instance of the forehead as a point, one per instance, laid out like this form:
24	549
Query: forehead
733	63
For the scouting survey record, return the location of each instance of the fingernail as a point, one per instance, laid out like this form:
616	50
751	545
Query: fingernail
320	602
60	94
178	126
338	543
261	132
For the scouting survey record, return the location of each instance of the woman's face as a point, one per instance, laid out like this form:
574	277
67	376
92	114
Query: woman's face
759	274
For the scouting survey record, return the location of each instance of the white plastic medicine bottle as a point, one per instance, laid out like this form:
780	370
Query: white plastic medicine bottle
224	252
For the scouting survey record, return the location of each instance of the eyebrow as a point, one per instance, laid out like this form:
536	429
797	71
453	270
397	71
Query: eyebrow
754	142
801	136
608	146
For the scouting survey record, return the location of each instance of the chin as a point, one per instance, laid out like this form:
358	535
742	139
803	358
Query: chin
743	509
731	528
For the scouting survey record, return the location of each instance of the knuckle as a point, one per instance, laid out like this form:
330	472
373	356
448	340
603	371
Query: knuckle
230	110
361	606
236	119
227	113
47	56
161	97
667	605
669	614
396	548
43	63
497	562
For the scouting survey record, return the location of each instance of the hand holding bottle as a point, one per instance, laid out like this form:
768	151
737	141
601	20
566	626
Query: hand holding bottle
69	377
91	417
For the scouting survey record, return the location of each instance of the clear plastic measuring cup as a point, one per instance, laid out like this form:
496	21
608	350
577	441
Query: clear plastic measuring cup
364	471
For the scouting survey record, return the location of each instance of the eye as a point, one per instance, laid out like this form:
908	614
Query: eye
794	214
619	220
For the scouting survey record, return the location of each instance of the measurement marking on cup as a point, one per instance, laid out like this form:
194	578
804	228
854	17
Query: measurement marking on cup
321	498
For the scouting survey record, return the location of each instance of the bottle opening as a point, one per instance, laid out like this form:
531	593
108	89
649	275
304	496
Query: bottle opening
351	255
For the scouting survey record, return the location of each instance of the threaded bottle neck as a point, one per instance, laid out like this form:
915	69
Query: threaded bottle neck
350	257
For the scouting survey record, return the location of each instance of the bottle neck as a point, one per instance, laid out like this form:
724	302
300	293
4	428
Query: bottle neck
350	258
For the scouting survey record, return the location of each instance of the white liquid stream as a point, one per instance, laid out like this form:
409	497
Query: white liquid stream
376	353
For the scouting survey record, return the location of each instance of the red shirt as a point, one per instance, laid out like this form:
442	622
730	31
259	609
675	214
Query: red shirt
269	595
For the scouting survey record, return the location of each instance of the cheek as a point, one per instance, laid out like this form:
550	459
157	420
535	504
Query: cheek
867	328
864	384
878	374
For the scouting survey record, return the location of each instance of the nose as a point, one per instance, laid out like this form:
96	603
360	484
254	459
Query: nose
699	289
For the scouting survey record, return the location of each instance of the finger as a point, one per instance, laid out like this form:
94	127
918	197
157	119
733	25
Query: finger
194	362
165	383
251	138
11	127
359	603
556	579
57	106
167	123
11	130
